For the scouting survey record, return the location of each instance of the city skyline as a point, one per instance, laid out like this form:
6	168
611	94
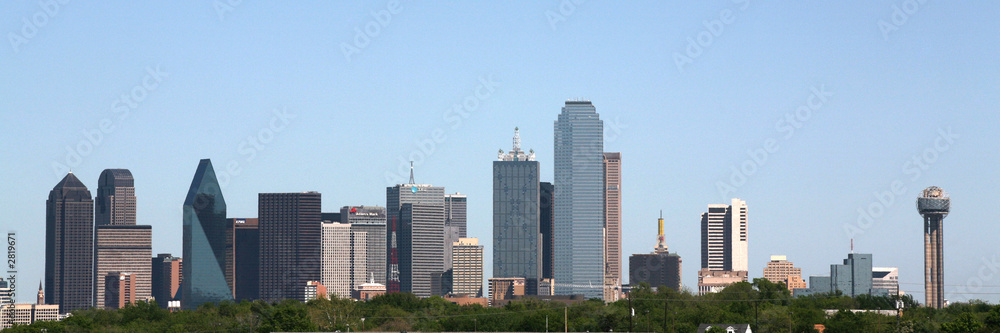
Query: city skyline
825	123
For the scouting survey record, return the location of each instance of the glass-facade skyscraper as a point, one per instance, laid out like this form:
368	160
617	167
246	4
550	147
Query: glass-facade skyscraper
517	234
205	229
415	238
579	201
69	246
291	244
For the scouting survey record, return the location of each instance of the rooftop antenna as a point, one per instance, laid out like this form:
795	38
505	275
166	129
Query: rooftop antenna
411	173
852	245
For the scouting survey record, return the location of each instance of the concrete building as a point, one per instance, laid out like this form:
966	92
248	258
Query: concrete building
166	278
455	223
517	235
852	278
659	268
724	234
244	261
313	290
205	229
612	226
27	314
370	220
780	270
69	245
710	281
291	243
506	288
886	278
119	290
415	239
579	200
467	267
934	205
115	200
123	248
345	254
367	291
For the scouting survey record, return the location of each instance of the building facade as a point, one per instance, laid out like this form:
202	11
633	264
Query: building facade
517	235
579	201
115	200
455	222
345	254
69	245
371	221
165	278
467	267
886	278
780	270
724	235
245	258
119	290
205	229
414	238
546	221
659	268
852	278
291	243
126	249
612	226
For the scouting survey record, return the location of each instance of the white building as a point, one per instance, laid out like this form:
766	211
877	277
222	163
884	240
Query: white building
467	267
886	278
344	258
724	235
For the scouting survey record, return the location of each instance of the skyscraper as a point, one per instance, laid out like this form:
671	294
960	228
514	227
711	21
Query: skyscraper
291	236
415	237
455	218
371	221
246	258
125	249
934	205
517	234
659	268
344	258
545	226
115	202
467	269
579	201
612	226
724	240
69	245
166	278
204	240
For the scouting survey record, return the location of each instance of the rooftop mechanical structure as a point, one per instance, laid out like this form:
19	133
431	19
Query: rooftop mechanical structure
934	205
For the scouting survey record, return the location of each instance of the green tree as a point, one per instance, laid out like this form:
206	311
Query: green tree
965	323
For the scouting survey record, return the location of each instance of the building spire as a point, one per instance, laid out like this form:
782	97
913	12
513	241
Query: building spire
517	139
411	173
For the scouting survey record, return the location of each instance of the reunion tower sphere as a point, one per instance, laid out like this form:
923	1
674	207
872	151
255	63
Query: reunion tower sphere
934	201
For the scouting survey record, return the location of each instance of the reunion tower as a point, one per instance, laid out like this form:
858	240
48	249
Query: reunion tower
934	205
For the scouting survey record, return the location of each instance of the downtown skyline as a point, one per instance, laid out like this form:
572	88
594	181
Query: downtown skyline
681	133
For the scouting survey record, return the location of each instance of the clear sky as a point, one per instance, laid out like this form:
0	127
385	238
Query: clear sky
840	104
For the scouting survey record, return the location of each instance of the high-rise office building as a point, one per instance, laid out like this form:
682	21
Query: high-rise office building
455	220
414	237
723	243
467	267
119	290
853	278
659	268
517	234
126	249
934	205
291	243
115	200
166	278
579	201
546	220
345	254
69	245
244	263
205	229
612	226
371	221
779	269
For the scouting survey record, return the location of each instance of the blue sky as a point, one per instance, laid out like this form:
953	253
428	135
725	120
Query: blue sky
166	84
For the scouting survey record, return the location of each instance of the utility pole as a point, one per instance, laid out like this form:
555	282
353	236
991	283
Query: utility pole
566	319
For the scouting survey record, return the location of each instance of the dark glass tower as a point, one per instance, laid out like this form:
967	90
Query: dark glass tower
115	202
415	238
69	246
545	221
517	234
246	259
579	201
291	244
205	229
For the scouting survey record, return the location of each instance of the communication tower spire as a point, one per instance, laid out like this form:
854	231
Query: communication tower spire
411	173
